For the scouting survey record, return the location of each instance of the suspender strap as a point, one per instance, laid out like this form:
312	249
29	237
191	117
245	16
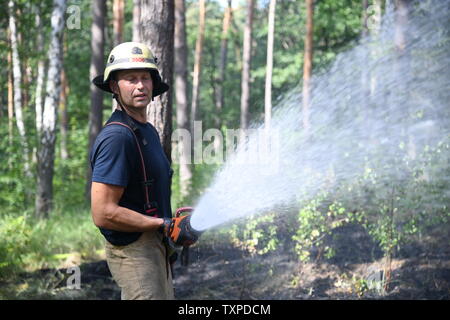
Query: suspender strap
150	207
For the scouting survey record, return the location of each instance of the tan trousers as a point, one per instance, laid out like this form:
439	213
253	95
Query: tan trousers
140	268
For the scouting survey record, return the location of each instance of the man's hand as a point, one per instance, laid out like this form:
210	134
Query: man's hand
179	230
165	227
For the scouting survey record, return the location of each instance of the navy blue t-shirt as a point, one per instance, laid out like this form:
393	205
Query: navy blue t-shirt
115	160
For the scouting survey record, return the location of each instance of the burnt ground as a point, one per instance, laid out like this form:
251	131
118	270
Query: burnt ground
420	270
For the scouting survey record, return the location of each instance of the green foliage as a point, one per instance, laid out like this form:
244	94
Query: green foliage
394	205
316	219
257	235
77	58
28	243
16	189
15	235
337	26
393	208
69	181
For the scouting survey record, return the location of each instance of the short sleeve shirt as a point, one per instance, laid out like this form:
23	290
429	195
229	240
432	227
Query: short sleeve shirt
115	160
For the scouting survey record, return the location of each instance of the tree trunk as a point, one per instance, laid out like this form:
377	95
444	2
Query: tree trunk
374	29
63	115
401	24
46	154
365	73
10	95
371	27
198	61
97	67
269	64
403	65
27	75
118	12
157	25
307	65
40	77
137	21
64	124
237	45
181	95
365	16
223	62
25	69
17	88
246	65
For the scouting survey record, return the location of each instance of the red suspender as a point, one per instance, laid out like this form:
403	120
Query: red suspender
148	208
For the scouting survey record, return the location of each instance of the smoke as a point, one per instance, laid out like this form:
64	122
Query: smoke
375	112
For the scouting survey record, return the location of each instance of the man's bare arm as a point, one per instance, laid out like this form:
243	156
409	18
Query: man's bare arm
107	213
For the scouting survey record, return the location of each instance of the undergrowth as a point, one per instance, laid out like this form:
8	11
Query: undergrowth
27	243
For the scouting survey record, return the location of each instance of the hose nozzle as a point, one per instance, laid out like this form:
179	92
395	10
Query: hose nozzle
181	231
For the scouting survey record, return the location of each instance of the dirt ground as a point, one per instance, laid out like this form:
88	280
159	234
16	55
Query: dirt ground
420	270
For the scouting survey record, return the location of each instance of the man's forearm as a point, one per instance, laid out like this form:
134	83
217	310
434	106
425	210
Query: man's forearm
126	220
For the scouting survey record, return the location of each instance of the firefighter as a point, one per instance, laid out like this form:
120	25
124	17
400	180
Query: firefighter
131	177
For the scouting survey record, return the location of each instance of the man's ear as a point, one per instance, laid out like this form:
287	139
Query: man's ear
114	86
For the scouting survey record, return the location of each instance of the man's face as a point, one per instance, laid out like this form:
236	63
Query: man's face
136	87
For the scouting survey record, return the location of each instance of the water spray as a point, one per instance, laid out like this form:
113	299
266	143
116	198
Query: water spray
374	110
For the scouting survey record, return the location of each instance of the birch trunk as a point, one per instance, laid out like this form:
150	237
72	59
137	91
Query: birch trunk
157	26
181	96
17	87
40	77
63	115
10	95
46	153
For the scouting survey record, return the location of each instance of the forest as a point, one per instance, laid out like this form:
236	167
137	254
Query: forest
353	201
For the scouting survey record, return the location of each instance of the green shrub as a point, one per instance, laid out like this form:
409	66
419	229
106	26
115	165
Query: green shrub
316	219
258	235
15	237
27	243
393	201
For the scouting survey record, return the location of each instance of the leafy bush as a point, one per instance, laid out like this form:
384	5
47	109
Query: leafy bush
258	235
28	243
393	203
316	220
15	188
15	237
